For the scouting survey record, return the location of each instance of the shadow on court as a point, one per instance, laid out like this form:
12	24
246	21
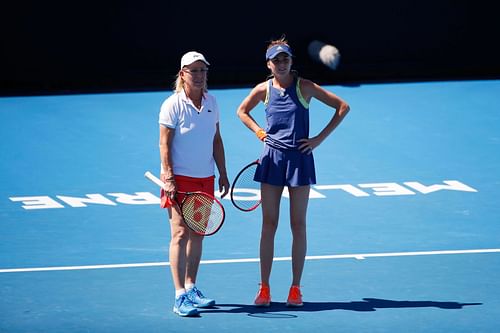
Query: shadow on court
368	304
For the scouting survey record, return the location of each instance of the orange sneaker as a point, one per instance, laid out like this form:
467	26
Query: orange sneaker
263	297
294	297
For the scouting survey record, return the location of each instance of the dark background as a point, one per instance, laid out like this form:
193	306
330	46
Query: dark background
85	46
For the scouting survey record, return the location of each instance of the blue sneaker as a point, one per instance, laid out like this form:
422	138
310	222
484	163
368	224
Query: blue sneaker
184	307
198	300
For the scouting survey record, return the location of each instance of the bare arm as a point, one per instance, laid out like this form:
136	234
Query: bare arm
167	172
257	95
220	161
309	90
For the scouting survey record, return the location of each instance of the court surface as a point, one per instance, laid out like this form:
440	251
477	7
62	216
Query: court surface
403	225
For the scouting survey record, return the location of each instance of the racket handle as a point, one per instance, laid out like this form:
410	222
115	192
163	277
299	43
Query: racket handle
154	179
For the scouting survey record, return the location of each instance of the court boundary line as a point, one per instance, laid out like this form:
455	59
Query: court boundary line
360	256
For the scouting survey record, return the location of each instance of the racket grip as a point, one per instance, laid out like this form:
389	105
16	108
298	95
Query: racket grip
154	179
165	200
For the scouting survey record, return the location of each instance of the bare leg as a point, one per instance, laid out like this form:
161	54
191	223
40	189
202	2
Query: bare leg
178	248
194	249
271	197
299	197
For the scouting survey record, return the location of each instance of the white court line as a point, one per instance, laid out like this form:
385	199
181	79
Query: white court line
230	261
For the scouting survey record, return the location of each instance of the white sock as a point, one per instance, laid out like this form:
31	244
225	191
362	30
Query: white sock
189	286
179	292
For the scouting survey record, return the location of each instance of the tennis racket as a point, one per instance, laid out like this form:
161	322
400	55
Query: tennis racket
245	192
202	213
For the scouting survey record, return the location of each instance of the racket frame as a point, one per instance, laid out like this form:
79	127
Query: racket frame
231	195
215	201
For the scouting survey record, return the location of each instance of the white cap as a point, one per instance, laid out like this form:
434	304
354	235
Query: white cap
192	56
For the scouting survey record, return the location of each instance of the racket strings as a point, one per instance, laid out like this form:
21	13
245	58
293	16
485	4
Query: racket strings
202	213
248	190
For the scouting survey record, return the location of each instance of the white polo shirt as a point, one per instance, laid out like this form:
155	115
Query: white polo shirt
192	145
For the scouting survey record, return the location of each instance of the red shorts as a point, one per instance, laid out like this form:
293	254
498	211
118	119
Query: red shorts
188	184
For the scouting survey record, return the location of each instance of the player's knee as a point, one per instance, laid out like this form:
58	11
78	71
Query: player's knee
298	227
270	224
180	237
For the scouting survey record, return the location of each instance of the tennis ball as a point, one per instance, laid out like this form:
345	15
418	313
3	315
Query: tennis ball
324	53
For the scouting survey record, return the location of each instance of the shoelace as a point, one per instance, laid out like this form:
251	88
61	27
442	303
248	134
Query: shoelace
198	292
185	300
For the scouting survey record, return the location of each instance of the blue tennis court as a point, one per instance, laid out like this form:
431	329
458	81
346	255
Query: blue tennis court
402	226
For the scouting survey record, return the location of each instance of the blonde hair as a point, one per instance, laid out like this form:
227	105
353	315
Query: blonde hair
178	85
